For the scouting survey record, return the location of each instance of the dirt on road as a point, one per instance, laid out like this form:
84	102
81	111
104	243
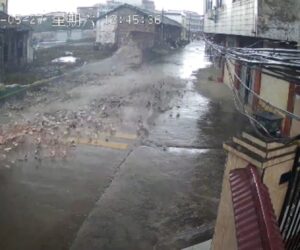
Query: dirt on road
127	149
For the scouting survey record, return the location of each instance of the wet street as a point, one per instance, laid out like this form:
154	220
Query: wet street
111	157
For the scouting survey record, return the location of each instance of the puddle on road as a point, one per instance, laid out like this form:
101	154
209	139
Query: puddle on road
187	150
183	63
179	126
193	59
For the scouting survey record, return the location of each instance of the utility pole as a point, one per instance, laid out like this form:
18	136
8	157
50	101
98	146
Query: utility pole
190	18
162	25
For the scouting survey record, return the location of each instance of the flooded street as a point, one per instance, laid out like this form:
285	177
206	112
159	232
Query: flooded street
142	159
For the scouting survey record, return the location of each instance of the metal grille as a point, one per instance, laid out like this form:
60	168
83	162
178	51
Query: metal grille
289	220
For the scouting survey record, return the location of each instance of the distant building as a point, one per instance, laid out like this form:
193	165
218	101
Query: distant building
195	23
56	14
112	4
180	17
88	12
132	2
128	23
148	5
3	5
15	44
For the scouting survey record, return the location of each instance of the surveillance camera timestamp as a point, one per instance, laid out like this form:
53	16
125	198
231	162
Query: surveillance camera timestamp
133	19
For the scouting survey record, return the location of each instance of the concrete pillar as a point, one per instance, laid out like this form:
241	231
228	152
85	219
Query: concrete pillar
1	57
272	159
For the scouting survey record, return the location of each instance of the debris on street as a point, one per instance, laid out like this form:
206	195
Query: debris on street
66	59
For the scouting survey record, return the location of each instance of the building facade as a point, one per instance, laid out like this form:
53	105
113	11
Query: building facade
15	45
128	23
180	17
257	23
269	19
195	23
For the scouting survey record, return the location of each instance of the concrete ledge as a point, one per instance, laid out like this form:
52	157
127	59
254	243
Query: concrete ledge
255	159
202	246
262	151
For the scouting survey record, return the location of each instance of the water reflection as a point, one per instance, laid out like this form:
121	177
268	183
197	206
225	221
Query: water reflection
183	63
193	59
178	126
187	151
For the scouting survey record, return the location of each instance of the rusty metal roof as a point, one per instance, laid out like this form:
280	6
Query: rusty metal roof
255	220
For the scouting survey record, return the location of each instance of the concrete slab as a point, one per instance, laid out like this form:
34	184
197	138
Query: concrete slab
43	204
162	199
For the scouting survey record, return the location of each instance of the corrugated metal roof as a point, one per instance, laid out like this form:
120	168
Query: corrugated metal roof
255	220
165	20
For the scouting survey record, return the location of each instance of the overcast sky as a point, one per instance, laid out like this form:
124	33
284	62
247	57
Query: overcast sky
45	6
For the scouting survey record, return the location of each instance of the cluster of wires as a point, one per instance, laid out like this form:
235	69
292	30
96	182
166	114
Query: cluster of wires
279	63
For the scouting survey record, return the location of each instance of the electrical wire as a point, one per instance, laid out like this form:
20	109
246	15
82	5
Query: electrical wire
243	110
281	60
241	106
287	113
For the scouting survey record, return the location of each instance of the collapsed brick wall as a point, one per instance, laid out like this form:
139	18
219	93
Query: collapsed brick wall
142	33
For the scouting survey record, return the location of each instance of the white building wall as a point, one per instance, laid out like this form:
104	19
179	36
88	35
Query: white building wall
275	91
279	19
234	18
229	73
177	18
106	31
270	19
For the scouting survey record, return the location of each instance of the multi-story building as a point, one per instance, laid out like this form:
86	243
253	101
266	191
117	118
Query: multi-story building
180	17
257	23
278	20
195	23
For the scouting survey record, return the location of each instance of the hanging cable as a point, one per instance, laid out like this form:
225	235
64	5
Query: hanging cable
280	63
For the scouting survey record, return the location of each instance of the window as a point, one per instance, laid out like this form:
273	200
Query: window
219	3
2	7
209	5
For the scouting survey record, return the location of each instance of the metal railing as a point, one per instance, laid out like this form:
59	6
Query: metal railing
289	220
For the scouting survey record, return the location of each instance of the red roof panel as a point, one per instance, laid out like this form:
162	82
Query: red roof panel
255	221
